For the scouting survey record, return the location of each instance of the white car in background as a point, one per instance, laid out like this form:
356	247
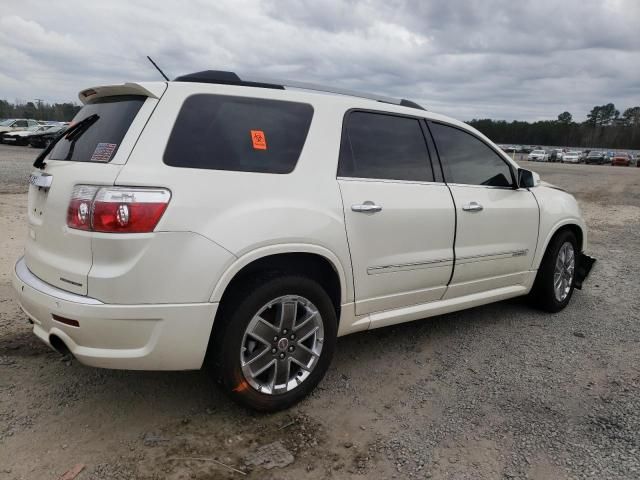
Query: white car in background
572	156
21	137
294	215
538	156
16	124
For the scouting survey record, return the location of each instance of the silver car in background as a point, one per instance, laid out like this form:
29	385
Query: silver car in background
572	156
538	156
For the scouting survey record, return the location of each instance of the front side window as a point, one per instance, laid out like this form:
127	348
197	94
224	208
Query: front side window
385	147
468	160
242	134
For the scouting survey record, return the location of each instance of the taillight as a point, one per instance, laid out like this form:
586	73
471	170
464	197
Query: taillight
116	209
79	211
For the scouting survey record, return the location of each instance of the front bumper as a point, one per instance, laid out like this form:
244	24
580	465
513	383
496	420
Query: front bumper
132	337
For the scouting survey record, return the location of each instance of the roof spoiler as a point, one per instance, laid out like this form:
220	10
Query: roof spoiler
153	90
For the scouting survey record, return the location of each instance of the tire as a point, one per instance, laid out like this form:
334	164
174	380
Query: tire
234	347
544	294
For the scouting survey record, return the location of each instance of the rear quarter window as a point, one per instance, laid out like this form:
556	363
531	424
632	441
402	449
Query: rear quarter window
221	132
101	140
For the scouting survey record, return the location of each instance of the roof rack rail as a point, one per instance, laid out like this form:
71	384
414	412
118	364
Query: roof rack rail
231	78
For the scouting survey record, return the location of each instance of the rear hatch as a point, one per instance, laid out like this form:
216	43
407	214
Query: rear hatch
57	254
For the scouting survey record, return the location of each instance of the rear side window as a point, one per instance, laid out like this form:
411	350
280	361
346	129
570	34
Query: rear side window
468	160
385	147
100	141
242	134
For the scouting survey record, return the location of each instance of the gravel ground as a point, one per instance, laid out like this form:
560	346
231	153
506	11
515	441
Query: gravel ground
500	391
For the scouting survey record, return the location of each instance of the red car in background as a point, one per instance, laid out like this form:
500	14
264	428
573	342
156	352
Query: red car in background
622	159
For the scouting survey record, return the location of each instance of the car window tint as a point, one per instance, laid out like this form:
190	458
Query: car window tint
100	141
221	132
384	146
468	160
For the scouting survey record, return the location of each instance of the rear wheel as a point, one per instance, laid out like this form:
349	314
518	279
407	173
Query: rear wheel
555	281
277	341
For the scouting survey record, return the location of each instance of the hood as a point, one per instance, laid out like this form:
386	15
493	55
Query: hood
22	133
550	185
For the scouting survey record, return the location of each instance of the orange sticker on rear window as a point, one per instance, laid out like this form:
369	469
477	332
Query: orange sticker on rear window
259	140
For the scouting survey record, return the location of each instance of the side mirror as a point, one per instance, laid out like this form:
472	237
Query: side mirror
527	178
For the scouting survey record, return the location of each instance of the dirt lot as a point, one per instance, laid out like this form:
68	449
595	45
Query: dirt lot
500	391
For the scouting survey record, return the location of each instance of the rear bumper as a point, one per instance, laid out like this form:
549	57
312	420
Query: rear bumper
133	337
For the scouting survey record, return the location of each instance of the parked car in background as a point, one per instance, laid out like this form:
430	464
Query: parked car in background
556	155
265	282
16	124
596	157
21	137
583	155
43	139
508	148
621	159
538	156
572	156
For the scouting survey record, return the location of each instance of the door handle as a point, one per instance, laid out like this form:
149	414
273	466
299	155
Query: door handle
472	207
366	207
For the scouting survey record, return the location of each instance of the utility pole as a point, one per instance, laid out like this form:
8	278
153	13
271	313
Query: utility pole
39	108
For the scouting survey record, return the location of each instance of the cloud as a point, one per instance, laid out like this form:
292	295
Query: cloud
471	59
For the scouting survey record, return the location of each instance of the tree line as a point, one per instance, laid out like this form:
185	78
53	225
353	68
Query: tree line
604	127
39	110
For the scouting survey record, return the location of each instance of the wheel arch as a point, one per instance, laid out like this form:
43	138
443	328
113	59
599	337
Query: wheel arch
574	226
294	258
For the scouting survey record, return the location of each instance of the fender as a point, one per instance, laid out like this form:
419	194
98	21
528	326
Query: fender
557	226
346	284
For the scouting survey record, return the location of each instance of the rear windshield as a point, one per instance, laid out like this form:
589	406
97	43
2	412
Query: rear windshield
222	132
100	142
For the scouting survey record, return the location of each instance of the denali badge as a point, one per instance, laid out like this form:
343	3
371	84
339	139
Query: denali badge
41	180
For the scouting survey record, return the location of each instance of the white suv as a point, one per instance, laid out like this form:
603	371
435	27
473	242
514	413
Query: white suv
249	224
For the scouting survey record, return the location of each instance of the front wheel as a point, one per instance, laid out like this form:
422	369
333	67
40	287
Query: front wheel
555	281
277	341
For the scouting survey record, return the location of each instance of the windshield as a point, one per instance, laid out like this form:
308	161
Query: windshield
595	154
99	141
538	151
6	123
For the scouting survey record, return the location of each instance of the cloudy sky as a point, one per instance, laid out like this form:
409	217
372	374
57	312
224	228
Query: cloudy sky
507	59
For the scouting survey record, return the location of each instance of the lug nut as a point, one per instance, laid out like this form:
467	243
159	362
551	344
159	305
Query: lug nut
273	350
284	332
291	348
275	339
282	355
292	337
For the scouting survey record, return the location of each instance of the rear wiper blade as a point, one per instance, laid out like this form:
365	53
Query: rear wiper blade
72	134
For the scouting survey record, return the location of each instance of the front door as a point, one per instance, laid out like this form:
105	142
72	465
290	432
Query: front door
497	225
400	222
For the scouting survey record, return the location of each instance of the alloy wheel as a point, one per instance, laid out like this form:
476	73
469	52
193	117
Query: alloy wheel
282	344
564	271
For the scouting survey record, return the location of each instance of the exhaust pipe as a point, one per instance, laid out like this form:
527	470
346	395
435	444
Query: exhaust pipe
59	346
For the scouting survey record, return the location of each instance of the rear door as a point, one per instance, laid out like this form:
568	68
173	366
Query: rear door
55	253
400	221
497	225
